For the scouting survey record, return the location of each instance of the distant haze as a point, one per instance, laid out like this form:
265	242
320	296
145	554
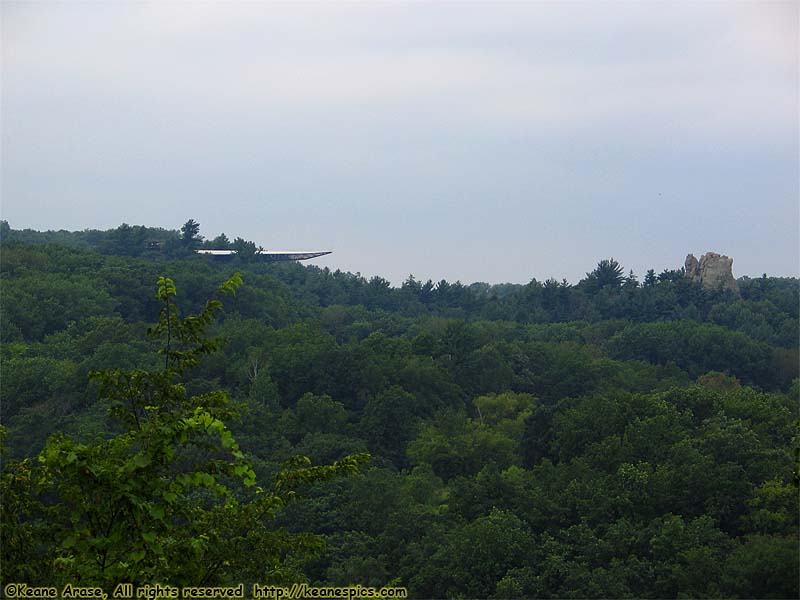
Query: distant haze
481	142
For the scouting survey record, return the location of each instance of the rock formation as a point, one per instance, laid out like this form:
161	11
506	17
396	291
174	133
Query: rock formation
712	271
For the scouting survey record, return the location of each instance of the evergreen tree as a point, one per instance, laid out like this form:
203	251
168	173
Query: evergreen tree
190	234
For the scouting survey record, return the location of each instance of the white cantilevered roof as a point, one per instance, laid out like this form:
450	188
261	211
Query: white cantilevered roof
284	254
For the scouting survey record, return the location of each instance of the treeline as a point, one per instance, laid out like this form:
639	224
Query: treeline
133	240
612	438
765	309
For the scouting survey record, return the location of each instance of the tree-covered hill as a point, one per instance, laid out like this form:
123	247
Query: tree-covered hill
612	438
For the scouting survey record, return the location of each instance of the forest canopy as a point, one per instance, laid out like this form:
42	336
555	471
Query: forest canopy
611	438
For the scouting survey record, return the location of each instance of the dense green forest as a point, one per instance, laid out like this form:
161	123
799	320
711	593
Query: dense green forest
609	438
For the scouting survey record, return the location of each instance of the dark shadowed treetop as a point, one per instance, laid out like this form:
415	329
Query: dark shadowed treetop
190	233
607	273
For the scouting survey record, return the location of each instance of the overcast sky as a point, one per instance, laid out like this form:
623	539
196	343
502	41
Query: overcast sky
474	141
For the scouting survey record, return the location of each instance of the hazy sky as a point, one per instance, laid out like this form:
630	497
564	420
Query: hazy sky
474	141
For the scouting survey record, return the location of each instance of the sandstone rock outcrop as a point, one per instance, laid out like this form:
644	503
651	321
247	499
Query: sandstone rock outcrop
712	271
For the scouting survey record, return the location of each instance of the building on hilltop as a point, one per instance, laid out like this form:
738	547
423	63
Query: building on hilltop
266	255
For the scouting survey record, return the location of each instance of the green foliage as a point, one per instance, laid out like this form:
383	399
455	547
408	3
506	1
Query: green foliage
190	234
313	414
475	556
59	299
390	421
172	484
245	250
264	390
455	445
700	348
221	242
607	274
538	440
762	567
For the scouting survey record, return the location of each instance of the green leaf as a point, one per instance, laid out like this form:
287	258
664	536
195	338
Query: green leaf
226	439
136	556
149	536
